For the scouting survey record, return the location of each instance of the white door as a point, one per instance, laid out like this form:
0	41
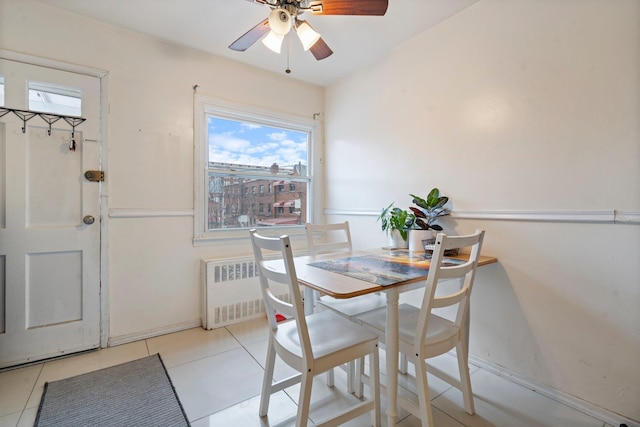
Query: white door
49	258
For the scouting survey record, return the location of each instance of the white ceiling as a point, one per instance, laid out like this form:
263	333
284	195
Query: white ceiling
212	25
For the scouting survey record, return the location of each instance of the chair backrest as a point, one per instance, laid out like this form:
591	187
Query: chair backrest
443	269
334	238
279	268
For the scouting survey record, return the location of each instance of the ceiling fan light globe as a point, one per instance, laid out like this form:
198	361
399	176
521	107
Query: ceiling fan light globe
307	35
280	21
273	41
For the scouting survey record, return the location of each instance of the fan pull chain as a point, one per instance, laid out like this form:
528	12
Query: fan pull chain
288	70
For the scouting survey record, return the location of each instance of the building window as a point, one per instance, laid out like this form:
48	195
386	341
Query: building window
243	150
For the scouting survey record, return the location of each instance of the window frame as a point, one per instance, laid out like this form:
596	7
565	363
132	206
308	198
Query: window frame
205	106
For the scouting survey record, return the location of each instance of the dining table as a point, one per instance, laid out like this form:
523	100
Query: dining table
391	271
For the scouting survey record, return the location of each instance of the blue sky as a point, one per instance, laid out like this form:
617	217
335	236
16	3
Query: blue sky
249	144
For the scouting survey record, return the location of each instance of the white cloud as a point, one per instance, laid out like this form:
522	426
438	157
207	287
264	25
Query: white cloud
250	126
261	148
229	142
277	136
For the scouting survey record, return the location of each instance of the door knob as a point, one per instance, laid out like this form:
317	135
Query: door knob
88	219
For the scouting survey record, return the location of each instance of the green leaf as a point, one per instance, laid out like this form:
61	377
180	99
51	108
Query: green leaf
420	201
441	202
433	197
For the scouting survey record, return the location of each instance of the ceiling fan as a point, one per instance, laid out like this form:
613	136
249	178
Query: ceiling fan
285	15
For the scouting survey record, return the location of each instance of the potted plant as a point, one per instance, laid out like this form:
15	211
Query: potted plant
426	212
396	223
429	209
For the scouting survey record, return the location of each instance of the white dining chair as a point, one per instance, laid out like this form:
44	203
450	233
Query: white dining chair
424	334
337	238
331	238
310	344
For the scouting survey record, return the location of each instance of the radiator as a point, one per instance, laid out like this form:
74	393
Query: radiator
231	292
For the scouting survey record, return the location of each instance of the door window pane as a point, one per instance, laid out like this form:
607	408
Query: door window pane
55	99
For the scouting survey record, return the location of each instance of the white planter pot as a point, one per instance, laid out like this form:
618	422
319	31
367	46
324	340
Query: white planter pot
396	240
416	237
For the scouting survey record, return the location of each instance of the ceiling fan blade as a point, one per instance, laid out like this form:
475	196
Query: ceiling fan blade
250	37
320	49
349	7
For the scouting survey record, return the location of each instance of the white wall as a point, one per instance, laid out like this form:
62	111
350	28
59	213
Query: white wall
511	105
516	106
153	268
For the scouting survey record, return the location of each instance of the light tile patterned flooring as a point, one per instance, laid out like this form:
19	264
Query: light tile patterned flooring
218	374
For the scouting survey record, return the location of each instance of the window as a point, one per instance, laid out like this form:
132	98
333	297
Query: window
50	98
243	150
2	91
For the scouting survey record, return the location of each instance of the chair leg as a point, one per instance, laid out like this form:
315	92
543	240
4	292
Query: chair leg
424	400
404	365
267	380
304	400
330	378
465	379
351	377
358	384
374	385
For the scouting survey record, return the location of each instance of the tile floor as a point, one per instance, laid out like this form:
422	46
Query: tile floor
217	375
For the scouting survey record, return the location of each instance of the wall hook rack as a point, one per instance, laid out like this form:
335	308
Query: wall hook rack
49	118
25	116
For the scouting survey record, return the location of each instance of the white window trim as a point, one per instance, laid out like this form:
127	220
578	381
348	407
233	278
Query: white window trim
204	105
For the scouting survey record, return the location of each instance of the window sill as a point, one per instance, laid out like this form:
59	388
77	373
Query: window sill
215	237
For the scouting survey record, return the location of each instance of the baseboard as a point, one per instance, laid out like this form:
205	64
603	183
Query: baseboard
573	402
143	335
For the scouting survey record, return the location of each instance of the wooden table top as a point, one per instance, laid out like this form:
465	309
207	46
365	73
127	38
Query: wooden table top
352	282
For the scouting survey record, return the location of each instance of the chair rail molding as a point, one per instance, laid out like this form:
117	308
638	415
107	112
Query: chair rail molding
577	216
148	213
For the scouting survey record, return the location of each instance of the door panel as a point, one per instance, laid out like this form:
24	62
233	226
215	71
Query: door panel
61	180
50	269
